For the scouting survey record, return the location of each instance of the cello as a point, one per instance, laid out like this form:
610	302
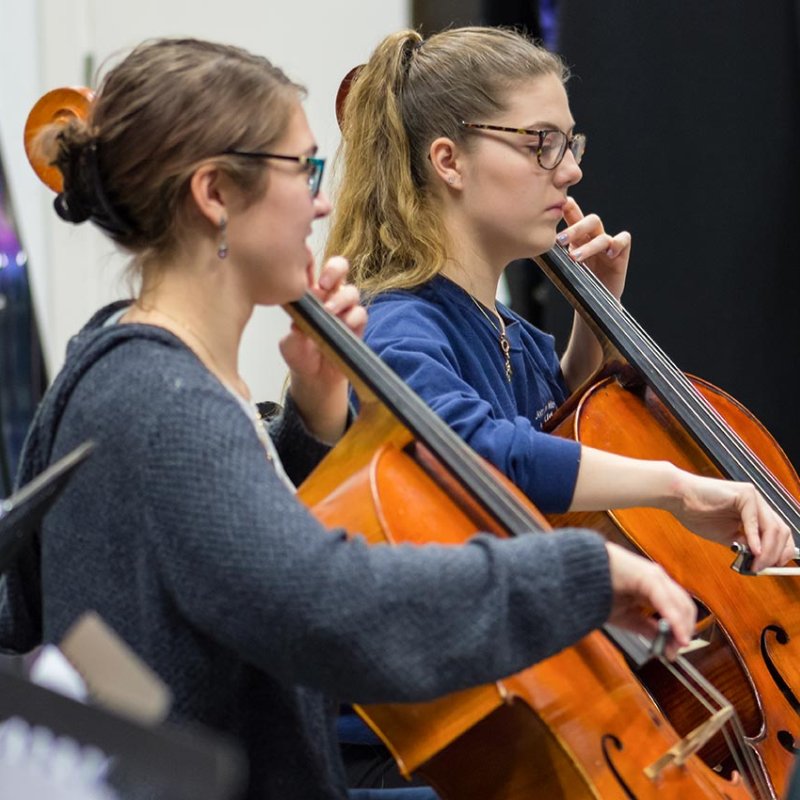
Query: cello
639	404
577	725
559	728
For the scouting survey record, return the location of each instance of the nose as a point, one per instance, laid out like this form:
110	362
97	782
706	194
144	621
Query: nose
568	172
322	205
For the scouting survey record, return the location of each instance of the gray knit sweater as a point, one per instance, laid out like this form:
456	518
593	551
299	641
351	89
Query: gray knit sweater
178	532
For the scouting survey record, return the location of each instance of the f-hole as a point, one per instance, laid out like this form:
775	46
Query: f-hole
610	741
786	738
787	742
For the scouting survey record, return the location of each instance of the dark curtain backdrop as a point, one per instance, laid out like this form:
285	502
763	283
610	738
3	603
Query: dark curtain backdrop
693	119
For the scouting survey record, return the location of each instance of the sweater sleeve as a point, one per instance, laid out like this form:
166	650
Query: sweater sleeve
299	450
415	346
251	568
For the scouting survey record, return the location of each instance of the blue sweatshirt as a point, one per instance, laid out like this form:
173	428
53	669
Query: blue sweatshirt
438	340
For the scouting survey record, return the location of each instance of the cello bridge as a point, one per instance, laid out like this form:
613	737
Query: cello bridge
678	754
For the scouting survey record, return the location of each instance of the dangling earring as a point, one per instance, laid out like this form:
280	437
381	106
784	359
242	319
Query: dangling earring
222	250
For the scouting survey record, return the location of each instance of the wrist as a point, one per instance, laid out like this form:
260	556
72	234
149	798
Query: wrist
675	487
323	410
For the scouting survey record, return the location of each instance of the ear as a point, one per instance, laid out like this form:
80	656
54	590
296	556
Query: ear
446	159
208	188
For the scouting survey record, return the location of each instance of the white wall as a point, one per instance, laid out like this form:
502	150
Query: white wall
75	269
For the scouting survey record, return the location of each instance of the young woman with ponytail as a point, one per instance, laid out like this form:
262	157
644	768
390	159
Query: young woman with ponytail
458	156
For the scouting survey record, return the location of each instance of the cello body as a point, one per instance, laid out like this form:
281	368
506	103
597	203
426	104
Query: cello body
641	406
756	644
577	725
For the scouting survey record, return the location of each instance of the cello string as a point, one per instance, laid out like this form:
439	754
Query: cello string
735	723
684	391
732	732
657	360
752	768
712	700
747	460
661	365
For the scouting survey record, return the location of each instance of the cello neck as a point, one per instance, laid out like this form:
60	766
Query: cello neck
619	333
374	381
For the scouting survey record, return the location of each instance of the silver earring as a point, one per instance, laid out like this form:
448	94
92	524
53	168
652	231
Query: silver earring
222	250
451	180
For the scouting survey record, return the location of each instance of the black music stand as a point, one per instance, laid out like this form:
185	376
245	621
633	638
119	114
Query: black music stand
38	726
22	512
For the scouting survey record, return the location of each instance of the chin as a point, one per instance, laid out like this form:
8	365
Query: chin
278	296
543	242
289	297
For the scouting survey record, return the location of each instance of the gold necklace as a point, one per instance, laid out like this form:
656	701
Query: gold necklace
216	369
505	345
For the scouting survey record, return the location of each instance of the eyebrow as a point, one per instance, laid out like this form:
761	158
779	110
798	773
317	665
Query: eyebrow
546	125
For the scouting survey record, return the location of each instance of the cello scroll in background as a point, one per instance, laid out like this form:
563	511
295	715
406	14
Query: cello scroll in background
56	107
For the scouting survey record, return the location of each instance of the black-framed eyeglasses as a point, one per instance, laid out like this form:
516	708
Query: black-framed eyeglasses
553	143
313	167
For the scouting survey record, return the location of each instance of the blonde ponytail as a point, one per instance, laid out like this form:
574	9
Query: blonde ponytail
386	220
